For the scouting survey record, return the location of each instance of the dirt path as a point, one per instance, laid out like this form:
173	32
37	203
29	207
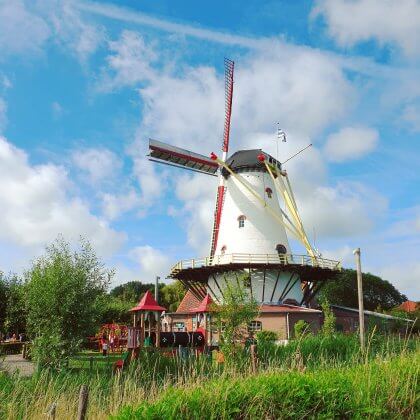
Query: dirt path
16	362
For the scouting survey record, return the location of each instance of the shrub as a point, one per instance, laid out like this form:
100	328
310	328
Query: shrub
301	328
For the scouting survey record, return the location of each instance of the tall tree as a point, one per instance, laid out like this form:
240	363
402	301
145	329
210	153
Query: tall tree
64	290
376	291
3	301
132	290
171	295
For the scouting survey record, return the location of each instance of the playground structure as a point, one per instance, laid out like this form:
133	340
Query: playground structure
146	331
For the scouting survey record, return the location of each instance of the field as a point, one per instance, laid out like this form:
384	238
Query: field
314	377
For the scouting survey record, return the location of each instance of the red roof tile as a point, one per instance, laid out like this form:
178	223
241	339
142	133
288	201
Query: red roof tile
286	308
148	303
206	304
409	306
189	303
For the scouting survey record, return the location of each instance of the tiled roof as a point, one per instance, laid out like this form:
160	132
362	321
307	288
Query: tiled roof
206	304
189	303
148	303
287	308
409	306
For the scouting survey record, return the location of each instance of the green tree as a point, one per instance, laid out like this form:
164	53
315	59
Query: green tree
64	290
132	290
376	291
3	301
171	295
328	327
114	309
235	314
301	329
15	321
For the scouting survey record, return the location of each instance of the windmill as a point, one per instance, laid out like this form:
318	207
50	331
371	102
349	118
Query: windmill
250	229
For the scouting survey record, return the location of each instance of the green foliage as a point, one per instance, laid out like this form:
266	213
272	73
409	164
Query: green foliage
328	327
12	305
131	291
376	291
171	295
113	309
236	312
378	389
265	337
301	328
63	300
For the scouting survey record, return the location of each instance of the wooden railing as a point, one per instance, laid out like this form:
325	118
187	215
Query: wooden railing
284	259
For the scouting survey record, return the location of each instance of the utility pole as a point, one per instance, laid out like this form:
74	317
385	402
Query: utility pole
157	289
356	252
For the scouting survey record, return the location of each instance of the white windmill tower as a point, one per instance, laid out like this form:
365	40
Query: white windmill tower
250	229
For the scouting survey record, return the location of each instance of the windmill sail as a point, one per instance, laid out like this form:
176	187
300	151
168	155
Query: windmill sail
229	68
175	156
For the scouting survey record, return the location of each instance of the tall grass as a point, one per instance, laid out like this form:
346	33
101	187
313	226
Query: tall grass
149	384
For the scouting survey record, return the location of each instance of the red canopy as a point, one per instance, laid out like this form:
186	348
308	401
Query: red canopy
205	305
148	303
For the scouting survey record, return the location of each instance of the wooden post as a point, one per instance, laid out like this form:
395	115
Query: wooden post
90	363
83	402
142	328
253	354
356	252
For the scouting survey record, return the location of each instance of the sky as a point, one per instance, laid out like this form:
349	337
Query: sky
84	85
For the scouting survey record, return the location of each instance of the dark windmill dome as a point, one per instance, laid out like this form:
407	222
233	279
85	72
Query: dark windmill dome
249	160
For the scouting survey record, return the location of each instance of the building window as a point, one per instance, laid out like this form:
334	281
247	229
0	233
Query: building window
254	326
241	221
281	249
269	192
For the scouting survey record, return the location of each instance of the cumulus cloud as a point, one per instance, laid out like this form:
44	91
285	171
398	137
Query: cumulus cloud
129	62
3	114
114	205
37	206
411	116
395	22
71	30
98	164
350	143
151	262
21	30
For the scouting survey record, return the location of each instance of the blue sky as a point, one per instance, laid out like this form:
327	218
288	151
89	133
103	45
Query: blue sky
83	85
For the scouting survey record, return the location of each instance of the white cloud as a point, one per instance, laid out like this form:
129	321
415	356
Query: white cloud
79	36
406	277
21	30
127	15
113	205
36	205
151	261
98	164
3	114
57	110
129	62
350	143
395	22
411	115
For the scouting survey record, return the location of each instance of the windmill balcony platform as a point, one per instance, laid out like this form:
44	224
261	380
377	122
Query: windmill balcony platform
309	268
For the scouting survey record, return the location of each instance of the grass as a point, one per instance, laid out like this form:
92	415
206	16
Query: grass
336	379
379	389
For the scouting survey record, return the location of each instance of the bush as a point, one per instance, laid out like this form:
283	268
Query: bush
379	389
301	328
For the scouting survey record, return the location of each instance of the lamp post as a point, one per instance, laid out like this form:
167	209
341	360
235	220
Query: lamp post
356	253
157	289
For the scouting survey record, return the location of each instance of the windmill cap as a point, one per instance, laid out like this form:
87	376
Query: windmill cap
249	160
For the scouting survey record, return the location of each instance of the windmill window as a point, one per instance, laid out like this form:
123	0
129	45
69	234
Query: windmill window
269	192
254	326
281	249
223	250
241	221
